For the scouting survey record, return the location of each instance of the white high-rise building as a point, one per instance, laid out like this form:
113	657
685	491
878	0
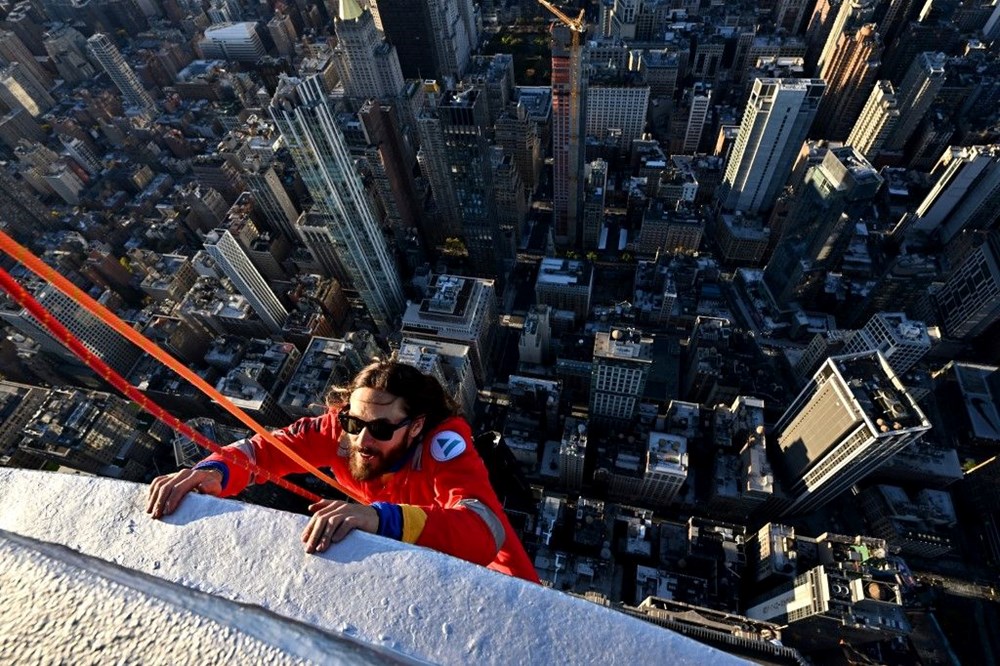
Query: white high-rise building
233	41
317	146
849	419
619	109
234	262
777	118
903	342
877	121
111	60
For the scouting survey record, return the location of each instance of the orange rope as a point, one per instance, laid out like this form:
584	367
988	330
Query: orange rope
46	272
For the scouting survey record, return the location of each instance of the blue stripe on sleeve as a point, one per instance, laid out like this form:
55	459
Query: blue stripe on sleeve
217	465
390	520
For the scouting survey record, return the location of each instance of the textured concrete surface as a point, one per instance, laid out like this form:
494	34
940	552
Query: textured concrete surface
391	598
57	606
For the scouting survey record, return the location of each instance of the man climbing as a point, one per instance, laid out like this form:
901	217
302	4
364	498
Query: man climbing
394	439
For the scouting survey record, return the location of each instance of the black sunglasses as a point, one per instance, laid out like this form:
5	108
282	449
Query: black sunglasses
379	429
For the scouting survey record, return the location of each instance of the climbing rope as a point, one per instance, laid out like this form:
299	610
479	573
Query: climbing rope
27	301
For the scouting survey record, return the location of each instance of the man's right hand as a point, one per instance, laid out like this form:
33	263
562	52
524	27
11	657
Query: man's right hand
167	491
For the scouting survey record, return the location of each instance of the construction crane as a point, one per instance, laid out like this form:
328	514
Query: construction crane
577	27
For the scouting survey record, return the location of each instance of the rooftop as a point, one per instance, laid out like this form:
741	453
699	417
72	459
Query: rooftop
191	583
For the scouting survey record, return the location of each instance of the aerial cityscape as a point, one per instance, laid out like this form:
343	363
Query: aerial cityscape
716	284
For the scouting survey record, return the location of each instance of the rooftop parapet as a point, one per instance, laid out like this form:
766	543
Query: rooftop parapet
399	602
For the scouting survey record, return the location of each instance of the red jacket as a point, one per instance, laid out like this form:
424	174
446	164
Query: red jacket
440	497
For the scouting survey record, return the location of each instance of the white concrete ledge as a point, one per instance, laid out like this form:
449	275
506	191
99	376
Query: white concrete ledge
400	601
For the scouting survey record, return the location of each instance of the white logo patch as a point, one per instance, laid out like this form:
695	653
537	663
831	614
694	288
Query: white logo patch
447	445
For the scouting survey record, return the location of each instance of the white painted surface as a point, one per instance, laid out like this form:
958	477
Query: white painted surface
411	602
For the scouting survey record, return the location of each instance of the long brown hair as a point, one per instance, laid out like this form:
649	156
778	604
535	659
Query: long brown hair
422	394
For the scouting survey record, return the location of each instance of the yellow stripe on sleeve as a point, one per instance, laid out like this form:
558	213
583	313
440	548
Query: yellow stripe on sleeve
414	519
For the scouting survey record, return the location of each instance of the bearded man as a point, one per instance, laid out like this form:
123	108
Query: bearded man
394	439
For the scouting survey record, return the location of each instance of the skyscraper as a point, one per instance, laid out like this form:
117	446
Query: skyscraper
850	418
700	102
234	262
965	195
20	89
777	118
818	226
877	121
850	16
111	60
623	359
916	92
569	124
969	301
455	156
435	38
850	74
902	341
308	126
367	64
270	196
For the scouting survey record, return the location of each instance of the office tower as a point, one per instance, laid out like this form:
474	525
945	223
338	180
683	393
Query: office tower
623	359
99	338
270	195
283	34
511	202
21	90
12	50
850	74
775	123
407	26
392	162
817	227
367	64
569	127
965	195
316	144
233	41
455	156
850	15
616	110
666	468
460	310
595	191
969	301
701	100
234	262
517	134
902	341
932	29
914	96
435	39
534	345
565	284
573	453
67	50
111	60
877	121
850	418
494	77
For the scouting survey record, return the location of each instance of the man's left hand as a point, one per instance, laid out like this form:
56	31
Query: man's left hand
332	520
